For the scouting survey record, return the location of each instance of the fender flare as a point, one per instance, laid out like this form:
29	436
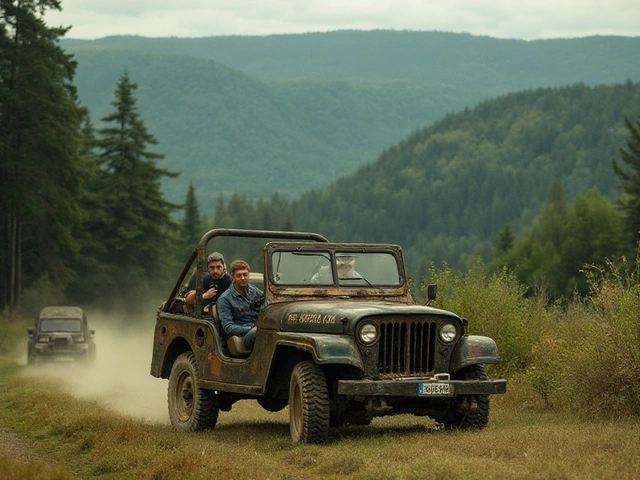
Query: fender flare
325	349
474	349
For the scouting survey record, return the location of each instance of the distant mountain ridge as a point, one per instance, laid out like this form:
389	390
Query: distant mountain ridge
292	112
489	65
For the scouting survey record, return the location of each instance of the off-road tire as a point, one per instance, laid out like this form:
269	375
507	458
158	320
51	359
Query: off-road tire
308	404
190	408
272	404
477	418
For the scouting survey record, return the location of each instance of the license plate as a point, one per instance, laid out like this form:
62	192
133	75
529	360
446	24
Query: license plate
434	389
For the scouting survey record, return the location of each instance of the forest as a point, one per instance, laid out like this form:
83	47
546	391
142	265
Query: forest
541	181
289	113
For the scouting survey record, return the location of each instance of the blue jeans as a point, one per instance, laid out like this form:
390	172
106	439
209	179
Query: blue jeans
249	338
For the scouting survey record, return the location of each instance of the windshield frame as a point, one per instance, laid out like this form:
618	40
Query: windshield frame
332	284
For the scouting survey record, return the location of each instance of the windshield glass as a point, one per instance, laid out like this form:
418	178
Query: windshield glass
60	325
344	268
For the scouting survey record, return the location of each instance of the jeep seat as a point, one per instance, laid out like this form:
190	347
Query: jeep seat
237	348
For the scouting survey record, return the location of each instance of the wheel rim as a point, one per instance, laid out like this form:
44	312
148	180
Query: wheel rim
184	396
295	411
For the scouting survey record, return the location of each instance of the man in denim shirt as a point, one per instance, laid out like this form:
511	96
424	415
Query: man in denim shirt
237	307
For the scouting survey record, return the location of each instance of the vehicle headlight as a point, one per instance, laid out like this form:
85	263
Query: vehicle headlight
368	333
43	338
448	332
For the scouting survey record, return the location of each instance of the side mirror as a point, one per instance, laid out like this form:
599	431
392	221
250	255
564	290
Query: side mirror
31	331
92	332
432	291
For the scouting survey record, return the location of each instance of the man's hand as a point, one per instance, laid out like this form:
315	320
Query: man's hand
210	293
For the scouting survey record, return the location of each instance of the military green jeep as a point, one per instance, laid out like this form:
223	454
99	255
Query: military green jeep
61	333
339	340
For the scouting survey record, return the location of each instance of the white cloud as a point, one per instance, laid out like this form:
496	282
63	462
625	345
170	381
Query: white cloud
526	19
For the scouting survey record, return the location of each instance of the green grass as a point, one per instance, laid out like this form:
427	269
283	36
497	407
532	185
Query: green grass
82	439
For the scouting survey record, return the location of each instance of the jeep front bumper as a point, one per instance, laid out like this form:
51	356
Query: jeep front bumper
420	387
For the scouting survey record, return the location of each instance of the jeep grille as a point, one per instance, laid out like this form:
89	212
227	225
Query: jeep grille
407	347
61	343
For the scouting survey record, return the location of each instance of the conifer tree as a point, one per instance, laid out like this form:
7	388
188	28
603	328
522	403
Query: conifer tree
505	239
133	219
41	171
192	223
630	182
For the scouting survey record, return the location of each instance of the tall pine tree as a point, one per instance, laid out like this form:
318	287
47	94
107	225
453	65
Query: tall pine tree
192	223
130	217
630	183
41	169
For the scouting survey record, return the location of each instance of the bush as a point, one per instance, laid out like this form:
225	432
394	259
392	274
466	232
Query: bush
580	356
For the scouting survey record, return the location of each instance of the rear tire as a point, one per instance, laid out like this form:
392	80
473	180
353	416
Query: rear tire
308	404
191	408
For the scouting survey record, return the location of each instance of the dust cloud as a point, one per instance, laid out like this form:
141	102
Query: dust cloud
119	379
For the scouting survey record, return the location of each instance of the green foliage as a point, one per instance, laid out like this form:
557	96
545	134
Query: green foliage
562	239
191	228
630	182
127	213
495	306
241	212
41	170
446	190
582	357
227	132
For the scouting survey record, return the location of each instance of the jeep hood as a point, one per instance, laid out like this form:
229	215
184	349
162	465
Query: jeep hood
331	316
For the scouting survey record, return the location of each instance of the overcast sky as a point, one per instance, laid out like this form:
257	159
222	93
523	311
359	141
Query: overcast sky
524	19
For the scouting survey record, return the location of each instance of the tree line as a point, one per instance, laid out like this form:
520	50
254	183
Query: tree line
83	215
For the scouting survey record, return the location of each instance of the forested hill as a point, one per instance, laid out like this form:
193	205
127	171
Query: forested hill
228	132
484	65
446	191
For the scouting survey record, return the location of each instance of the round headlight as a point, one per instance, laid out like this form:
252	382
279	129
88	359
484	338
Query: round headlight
448	332
368	333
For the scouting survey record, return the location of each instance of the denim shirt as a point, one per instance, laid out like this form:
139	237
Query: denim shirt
235	312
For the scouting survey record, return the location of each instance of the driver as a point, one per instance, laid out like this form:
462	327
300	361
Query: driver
345	263
236	307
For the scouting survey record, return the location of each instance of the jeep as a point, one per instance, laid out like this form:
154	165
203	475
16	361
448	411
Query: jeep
60	333
336	346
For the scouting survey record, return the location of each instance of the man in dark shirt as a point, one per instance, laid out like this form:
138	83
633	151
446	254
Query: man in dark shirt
215	282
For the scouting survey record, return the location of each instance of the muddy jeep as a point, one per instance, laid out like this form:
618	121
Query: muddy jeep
61	333
336	347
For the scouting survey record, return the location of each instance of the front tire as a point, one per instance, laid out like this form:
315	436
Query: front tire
191	408
475	413
308	404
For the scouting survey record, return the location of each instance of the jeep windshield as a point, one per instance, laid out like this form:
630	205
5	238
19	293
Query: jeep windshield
335	268
60	325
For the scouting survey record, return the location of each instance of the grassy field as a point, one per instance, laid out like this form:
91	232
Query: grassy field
82	438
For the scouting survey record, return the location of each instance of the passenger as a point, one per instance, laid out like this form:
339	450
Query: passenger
237	307
215	282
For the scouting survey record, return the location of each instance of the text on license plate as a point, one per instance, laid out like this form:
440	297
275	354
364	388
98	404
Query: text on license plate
434	389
